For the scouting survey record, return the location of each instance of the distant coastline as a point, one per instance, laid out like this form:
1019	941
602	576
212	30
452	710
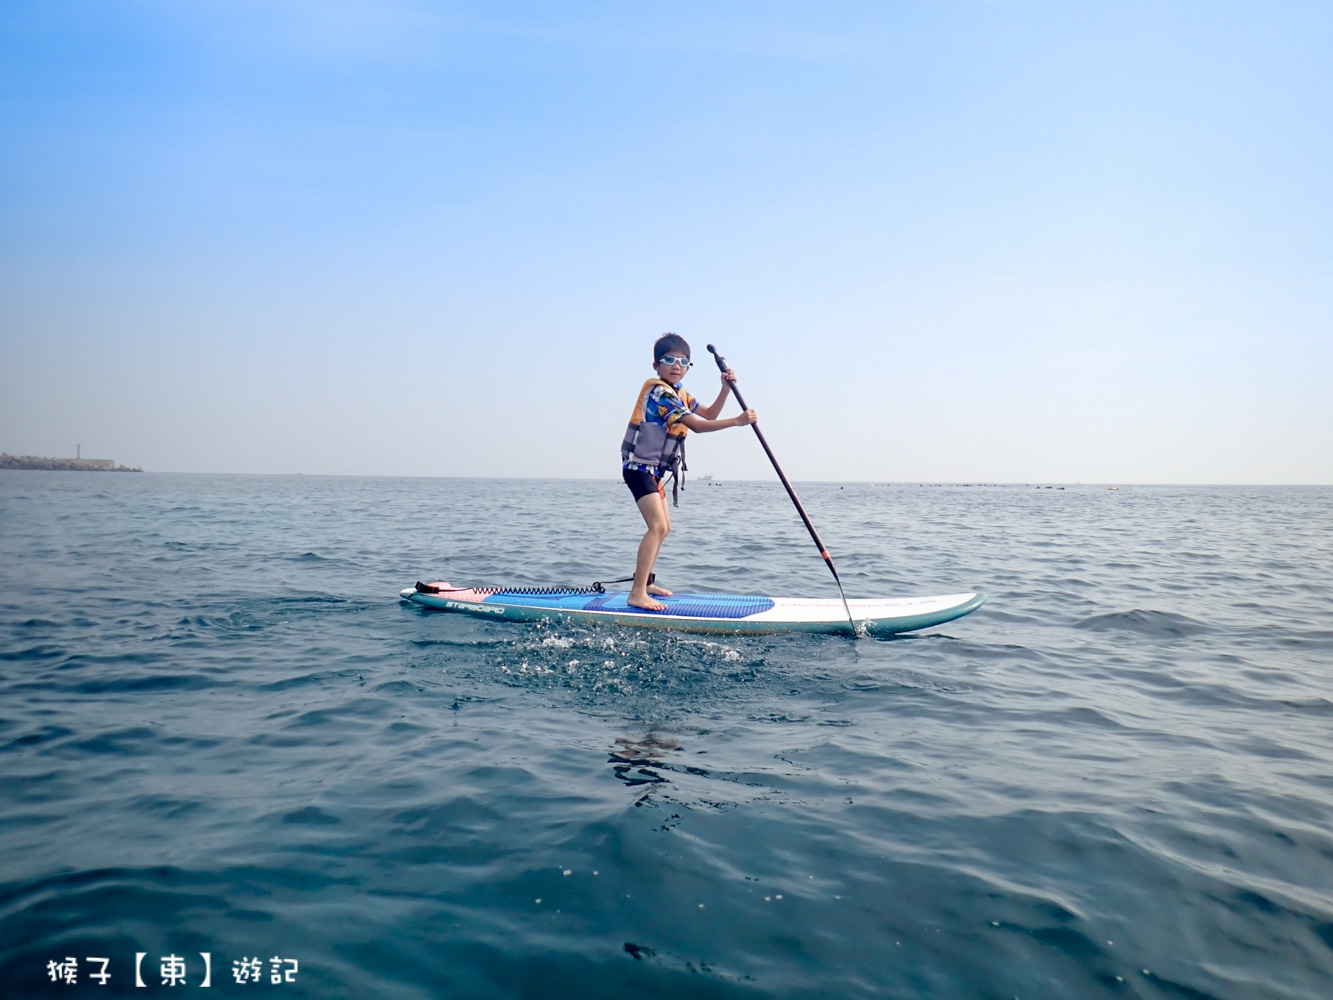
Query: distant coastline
8	461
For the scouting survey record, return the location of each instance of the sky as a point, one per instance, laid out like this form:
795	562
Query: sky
956	240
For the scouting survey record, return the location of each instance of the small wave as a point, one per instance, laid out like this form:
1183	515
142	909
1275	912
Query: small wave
137	741
45	734
42	651
316	599
311	816
1157	624
144	683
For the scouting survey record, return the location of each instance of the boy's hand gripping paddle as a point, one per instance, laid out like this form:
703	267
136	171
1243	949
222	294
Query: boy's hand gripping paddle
722	366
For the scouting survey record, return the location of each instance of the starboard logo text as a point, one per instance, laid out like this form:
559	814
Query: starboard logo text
456	606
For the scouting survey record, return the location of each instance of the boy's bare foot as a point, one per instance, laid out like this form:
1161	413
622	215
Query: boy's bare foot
659	591
645	602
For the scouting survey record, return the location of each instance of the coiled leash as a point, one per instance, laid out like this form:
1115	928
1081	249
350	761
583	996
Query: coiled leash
597	588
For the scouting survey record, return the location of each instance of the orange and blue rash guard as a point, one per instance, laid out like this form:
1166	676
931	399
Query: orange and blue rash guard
655	435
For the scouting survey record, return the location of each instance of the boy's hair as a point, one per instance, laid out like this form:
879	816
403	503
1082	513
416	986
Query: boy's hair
667	344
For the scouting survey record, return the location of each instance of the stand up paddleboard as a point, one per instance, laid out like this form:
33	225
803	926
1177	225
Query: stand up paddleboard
715	613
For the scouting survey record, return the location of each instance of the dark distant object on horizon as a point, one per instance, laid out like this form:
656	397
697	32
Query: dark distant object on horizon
8	461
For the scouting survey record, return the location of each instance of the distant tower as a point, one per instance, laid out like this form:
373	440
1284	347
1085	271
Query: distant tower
78	451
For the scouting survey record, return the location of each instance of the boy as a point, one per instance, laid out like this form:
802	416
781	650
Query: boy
654	445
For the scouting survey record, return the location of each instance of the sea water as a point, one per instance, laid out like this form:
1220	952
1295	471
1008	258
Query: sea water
229	750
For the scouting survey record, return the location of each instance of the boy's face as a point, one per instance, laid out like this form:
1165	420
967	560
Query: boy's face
673	366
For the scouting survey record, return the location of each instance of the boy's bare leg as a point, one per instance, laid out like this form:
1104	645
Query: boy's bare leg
654	510
653	588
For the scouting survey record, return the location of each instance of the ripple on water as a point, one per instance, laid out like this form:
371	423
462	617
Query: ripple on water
1152	624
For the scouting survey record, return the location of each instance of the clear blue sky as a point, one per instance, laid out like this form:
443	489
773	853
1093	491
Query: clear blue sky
1001	241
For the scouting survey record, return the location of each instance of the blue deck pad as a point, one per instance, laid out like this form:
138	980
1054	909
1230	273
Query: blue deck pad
574	601
688	605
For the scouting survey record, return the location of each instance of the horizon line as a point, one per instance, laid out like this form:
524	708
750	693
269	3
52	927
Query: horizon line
1035	483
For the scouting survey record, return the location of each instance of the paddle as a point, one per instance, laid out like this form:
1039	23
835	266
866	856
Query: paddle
828	559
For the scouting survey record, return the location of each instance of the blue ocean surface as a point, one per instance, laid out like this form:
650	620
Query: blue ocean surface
223	735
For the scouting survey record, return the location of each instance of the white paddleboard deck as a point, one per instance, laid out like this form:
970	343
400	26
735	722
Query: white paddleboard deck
710	613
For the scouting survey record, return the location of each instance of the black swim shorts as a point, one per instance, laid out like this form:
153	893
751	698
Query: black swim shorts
641	483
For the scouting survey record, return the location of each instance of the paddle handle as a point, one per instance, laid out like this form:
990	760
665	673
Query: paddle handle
735	390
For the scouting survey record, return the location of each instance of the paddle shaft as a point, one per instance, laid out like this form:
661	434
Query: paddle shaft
796	501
